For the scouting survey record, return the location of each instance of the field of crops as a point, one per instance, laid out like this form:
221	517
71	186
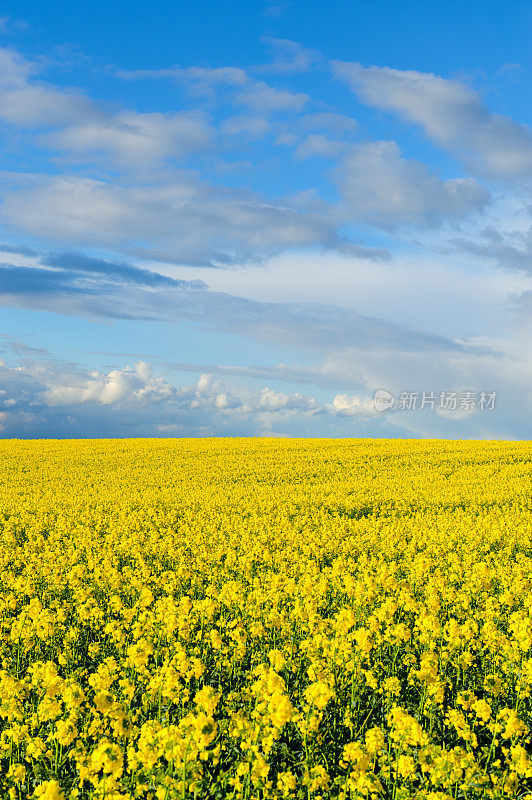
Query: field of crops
265	618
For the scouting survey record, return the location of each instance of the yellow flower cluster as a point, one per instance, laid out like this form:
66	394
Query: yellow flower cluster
265	618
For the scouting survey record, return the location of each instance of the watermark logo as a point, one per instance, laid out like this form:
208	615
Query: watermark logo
383	400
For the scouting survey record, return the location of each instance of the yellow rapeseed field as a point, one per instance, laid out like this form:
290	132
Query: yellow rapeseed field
265	618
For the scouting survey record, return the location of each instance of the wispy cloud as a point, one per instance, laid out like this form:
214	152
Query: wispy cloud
201	80
28	102
132	139
451	113
265	99
385	189
289	56
508	249
191	221
85	286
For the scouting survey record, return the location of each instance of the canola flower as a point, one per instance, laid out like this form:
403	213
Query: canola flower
256	618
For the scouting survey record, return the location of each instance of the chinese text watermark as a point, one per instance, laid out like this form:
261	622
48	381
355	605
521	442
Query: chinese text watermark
384	400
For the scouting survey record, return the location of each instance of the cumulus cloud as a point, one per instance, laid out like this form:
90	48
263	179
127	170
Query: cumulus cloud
452	115
353	405
382	187
211	392
46	395
43	394
129	386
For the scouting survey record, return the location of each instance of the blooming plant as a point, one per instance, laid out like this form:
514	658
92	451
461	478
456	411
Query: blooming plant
262	618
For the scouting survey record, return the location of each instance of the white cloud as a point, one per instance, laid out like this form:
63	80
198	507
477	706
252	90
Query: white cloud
353	406
210	392
15	70
192	222
510	68
168	214
339	124
403	337
259	96
74	124
42	394
251	125
46	395
202	79
128	386
268	400
383	188
509	249
27	102
417	287
10	25
317	144
290	56
132	138
451	113
113	290
172	214
503	368
265	99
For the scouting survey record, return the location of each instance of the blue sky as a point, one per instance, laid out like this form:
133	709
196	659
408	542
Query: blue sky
246	219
